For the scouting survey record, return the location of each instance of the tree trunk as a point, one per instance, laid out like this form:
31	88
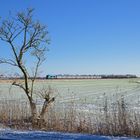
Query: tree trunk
34	117
43	111
45	106
39	121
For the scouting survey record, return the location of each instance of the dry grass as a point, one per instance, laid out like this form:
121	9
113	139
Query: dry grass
114	119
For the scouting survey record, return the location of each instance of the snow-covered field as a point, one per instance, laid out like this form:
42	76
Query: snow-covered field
79	89
87	94
40	135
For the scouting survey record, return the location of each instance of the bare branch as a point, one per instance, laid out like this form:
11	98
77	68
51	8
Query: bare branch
15	35
8	61
19	85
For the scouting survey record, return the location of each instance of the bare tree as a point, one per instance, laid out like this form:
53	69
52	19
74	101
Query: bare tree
24	37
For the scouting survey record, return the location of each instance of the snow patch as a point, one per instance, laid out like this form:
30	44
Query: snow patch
42	135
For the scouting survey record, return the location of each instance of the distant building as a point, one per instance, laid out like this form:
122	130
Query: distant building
51	76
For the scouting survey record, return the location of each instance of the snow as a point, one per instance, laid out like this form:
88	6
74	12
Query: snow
42	135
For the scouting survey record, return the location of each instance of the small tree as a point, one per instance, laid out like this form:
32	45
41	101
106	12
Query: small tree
26	37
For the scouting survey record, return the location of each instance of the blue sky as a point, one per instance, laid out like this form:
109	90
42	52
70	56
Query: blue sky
87	36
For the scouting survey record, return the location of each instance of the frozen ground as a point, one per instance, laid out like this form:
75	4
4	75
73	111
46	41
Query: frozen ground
40	135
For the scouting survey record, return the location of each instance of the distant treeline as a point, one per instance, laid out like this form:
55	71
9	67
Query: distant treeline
118	76
66	76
